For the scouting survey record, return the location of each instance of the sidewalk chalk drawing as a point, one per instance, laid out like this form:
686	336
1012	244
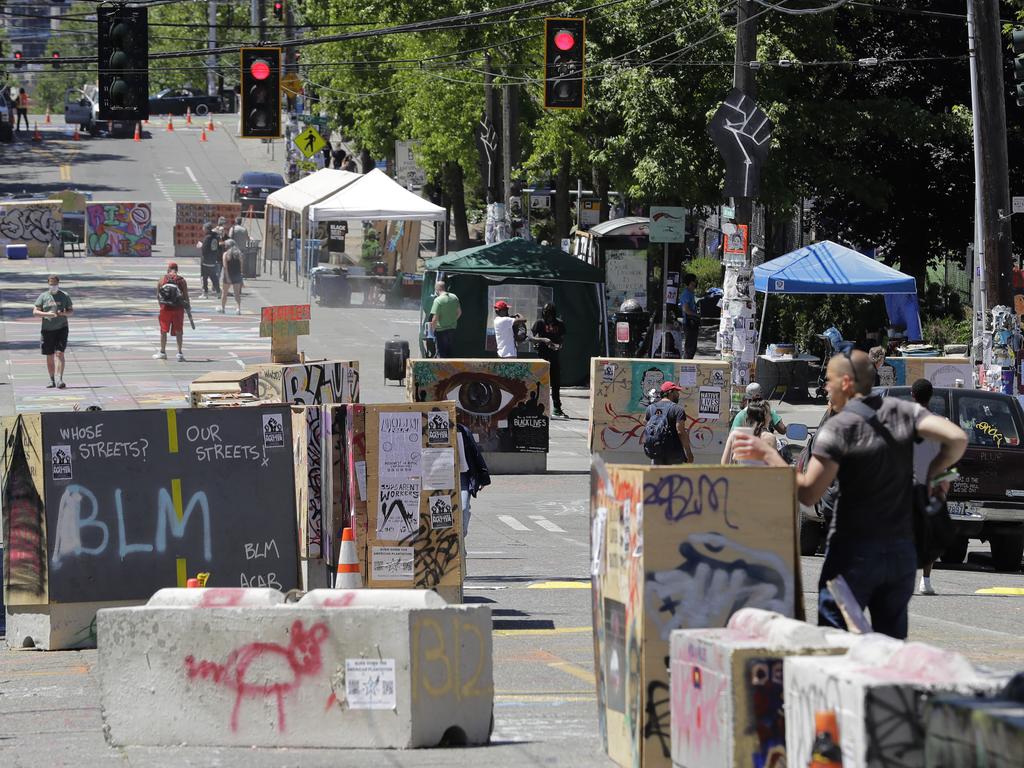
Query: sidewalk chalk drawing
119	229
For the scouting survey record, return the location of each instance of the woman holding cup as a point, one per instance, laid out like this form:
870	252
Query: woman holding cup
756	426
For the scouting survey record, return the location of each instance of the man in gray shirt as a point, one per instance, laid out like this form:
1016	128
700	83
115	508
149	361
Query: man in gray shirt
869	446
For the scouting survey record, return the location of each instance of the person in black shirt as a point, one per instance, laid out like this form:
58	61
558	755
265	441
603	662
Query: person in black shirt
210	260
677	449
549	334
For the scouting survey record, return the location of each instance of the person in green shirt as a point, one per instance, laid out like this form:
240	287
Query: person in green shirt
754	393
54	307
446	311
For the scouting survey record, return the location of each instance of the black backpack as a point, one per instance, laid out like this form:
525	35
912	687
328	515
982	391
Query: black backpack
170	295
657	434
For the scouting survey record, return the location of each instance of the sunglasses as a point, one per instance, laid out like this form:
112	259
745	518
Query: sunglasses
853	369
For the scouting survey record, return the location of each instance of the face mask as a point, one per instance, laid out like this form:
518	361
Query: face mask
54	289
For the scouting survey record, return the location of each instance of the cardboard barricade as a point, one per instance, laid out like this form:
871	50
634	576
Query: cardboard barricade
972	732
506	404
618	388
940	371
324	672
224	388
314	382
189	218
119	229
104	508
678	548
726	688
878	692
36	223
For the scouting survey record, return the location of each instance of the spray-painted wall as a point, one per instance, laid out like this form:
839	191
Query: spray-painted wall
37	224
119	229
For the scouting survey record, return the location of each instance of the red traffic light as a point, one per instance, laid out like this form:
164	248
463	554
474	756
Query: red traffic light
17	54
56	55
564	40
278	6
259	69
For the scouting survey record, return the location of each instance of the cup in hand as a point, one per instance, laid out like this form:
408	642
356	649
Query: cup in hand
739	452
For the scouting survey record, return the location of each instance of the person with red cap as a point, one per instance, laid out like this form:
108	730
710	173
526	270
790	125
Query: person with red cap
665	439
172	294
505	327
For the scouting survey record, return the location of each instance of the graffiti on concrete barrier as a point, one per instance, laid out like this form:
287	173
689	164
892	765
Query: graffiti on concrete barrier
767	720
894	723
30	223
119	229
696	721
276	669
658	715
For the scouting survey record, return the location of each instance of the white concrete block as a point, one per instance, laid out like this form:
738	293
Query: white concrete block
296	676
726	688
216	597
877	692
372	598
55	626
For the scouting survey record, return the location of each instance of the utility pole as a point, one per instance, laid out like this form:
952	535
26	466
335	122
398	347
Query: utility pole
993	185
509	122
261	11
290	54
743	79
211	42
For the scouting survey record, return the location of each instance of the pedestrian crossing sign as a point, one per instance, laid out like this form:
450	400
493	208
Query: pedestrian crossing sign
310	142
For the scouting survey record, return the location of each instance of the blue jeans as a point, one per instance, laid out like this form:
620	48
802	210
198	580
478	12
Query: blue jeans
464	481
445	343
880	574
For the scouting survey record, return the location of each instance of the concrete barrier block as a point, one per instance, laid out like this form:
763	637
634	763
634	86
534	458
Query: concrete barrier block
55	626
878	692
727	688
372	598
216	597
291	676
965	732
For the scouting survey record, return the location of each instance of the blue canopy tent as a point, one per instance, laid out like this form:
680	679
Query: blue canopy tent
828	267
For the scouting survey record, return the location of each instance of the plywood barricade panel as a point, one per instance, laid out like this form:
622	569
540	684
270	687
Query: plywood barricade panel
319	382
940	371
678	548
618	387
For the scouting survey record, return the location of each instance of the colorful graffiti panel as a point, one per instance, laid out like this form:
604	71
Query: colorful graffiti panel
119	229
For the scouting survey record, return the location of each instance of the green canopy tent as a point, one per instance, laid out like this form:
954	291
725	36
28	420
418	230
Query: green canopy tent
578	294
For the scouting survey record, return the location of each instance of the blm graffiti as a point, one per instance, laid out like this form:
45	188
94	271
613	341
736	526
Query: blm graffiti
320	384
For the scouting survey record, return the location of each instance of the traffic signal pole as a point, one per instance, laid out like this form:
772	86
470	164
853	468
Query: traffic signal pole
211	42
744	78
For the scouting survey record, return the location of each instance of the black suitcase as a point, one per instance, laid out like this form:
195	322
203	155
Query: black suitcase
396	352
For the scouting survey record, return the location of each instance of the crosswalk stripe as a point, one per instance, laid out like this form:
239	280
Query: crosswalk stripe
546	524
512	523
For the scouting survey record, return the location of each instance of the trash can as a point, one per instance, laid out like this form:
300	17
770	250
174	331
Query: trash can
17	251
630	323
334	289
250	254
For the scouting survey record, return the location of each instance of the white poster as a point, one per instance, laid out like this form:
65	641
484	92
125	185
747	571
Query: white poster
438	469
370	683
625	277
709	403
392	563
398	510
597	542
400	442
946	374
688	375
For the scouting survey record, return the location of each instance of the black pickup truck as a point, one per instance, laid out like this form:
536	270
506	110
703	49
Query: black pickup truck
987	501
175	101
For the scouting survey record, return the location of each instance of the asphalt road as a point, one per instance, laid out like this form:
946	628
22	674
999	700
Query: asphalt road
528	541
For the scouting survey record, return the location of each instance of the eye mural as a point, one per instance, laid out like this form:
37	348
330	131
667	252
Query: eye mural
504	405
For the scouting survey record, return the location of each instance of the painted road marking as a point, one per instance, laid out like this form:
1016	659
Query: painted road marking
543	697
65	172
191	175
575	670
512	523
1006	591
546	524
554	631
560	585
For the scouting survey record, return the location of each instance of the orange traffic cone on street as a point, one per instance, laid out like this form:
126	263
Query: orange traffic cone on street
188	115
75	136
138	133
47	120
209	125
202	136
348	564
36	135
170	124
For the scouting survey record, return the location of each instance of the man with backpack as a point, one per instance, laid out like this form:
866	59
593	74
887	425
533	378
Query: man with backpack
665	439
210	260
172	294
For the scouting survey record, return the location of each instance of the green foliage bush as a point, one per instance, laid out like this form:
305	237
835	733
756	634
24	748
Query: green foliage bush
709	273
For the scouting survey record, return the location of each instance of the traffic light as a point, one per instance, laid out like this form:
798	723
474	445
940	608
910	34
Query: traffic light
56	59
564	41
123	61
278	9
17	60
1018	64
261	93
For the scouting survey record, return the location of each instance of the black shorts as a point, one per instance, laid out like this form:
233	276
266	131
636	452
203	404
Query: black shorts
55	341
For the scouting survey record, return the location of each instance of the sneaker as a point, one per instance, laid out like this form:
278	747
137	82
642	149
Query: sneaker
558	412
926	587
220	310
238	311
160	356
205	295
52	384
180	358
61	385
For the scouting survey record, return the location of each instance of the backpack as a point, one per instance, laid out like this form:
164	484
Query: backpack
657	434
170	295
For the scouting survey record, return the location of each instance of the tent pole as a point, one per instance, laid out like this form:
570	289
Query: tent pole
764	311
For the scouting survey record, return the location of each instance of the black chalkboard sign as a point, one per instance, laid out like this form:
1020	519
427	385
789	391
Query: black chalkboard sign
138	500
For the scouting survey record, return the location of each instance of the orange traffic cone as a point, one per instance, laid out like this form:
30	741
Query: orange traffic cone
348	564
47	120
170	124
138	133
209	125
202	136
36	135
188	115
75	136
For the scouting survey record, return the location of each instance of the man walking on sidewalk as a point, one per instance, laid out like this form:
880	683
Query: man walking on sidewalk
209	261
172	294
54	307
549	335
691	321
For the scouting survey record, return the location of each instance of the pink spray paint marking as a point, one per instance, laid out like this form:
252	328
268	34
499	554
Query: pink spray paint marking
279	668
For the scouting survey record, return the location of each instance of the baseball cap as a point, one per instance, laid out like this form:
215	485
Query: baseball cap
670	386
754	390
172	265
500	305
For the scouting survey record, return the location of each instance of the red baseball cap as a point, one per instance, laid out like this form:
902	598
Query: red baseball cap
500	305
172	265
670	386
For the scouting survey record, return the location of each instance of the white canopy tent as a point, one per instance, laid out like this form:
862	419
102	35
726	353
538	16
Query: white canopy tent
375	196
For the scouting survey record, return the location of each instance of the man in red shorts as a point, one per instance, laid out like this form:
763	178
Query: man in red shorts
172	293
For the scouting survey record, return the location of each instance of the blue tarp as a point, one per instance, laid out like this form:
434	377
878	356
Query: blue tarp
828	267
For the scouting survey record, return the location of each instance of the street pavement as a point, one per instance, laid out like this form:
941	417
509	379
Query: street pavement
528	540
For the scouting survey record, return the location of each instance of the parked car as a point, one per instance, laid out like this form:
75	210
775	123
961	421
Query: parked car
174	101
6	112
81	108
987	501
252	188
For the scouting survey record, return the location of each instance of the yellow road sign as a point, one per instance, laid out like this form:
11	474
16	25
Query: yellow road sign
310	141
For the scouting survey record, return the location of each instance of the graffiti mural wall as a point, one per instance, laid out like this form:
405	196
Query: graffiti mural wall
119	229
678	548
37	224
617	391
505	404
